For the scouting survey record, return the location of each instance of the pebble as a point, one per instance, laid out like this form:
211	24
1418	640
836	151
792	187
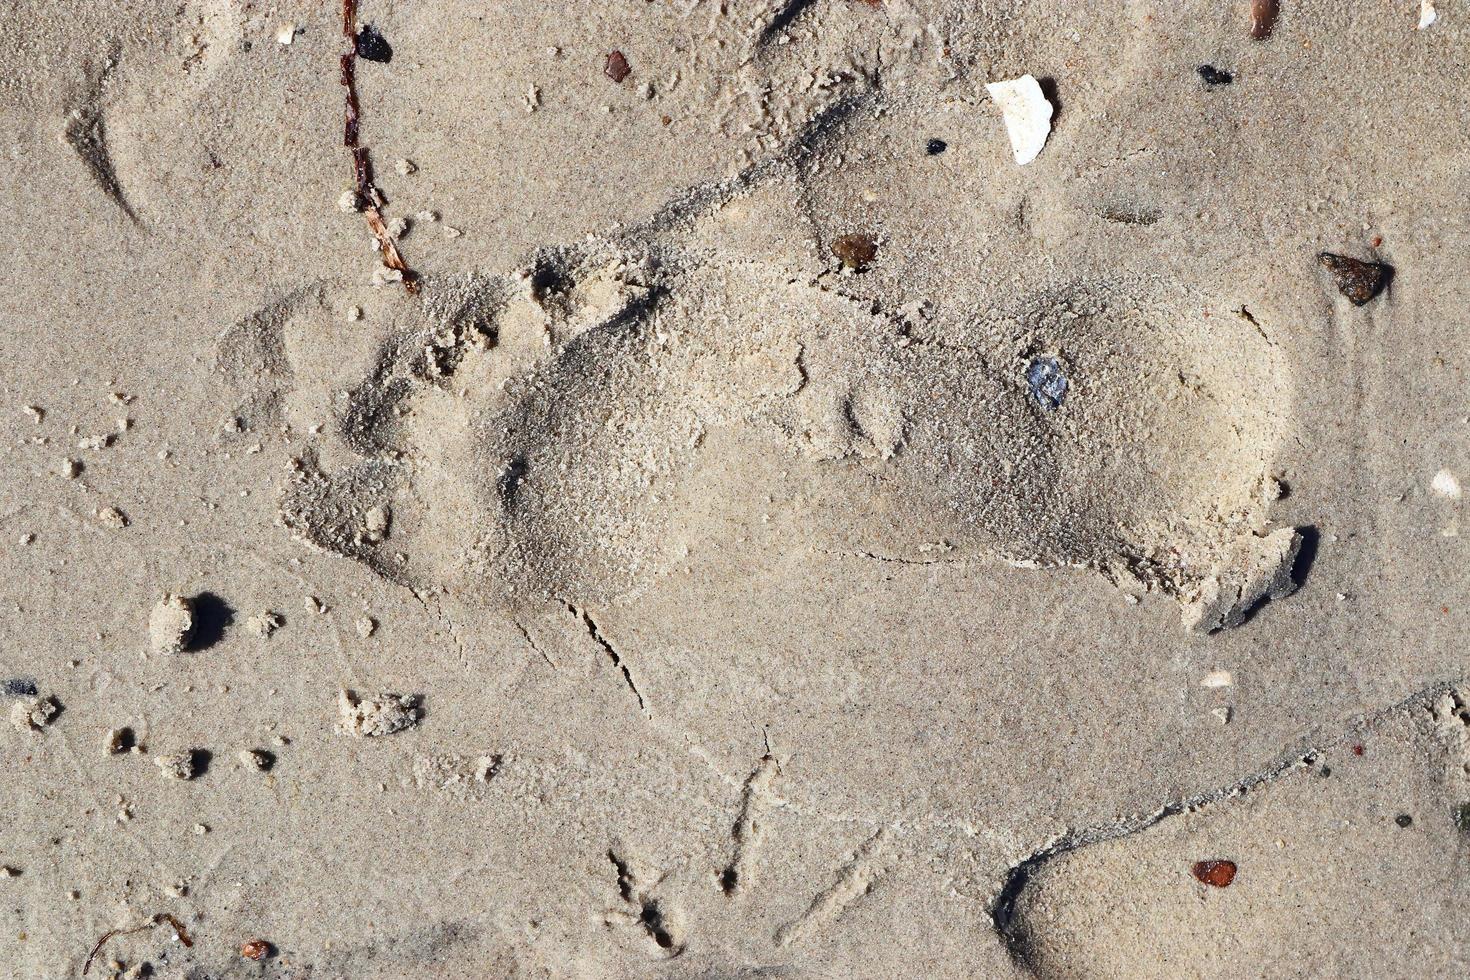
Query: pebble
1046	382
1359	281
855	251
1446	485
617	67
1214	77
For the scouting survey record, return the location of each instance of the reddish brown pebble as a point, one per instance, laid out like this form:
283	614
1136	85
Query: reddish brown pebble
1357	750
1357	280
256	949
617	66
1263	18
855	251
1217	873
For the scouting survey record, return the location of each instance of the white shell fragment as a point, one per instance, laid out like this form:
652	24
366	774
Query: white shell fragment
1027	115
1427	14
1446	485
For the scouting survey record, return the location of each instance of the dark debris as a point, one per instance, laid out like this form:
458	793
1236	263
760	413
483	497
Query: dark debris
1359	281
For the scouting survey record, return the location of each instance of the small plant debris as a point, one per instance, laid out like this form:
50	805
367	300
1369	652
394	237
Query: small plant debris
617	67
1216	874
373	46
1047	383
366	196
158	920
935	147
1359	281
1214	77
1263	18
855	251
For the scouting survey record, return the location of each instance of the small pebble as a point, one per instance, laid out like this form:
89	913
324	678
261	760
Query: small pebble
255	949
1047	383
935	147
1213	77
1218	874
855	251
617	67
1359	281
404	167
373	46
1404	820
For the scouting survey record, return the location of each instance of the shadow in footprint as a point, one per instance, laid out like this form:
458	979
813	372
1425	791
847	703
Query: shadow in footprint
212	617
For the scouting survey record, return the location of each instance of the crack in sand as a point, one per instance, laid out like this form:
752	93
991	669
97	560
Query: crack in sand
612	654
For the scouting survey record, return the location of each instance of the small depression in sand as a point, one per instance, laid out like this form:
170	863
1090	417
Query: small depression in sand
575	430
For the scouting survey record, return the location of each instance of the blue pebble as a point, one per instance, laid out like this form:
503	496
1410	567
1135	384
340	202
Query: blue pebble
1047	383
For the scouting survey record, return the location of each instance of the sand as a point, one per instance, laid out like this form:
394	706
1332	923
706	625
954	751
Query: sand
716	490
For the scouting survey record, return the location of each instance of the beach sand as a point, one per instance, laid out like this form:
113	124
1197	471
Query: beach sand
666	488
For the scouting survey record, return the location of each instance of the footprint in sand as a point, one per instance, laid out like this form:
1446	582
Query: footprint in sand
575	430
580	426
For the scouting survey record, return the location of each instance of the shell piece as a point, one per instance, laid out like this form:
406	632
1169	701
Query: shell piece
1427	14
1027	115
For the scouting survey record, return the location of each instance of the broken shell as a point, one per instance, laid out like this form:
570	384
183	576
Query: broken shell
1027	115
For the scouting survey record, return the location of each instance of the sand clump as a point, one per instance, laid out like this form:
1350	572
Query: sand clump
171	624
1254	570
34	714
372	716
180	766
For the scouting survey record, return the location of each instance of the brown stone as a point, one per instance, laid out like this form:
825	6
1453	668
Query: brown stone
1359	281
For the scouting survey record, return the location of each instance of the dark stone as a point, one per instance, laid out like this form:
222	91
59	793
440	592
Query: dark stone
855	251
935	147
1213	76
617	67
373	46
18	687
1047	382
1359	281
1403	820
